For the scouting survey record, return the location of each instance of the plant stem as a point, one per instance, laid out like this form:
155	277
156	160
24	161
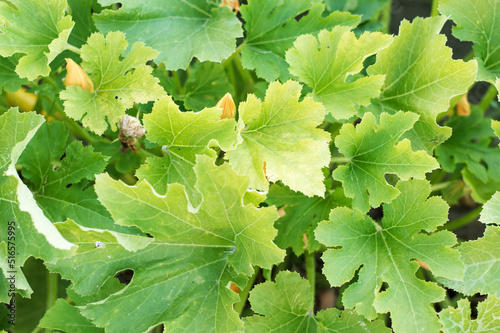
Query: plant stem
469	56
73	49
460	222
339	159
180	87
440	186
51	290
73	127
386	18
239	306
311	276
434	9
490	94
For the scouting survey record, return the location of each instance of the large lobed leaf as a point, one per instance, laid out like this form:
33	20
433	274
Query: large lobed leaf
301	215
281	141
374	253
271	27
373	151
422	77
60	177
9	80
183	135
481	257
287	306
179	29
470	145
458	320
34	235
477	22
182	279
118	83
326	68
40	37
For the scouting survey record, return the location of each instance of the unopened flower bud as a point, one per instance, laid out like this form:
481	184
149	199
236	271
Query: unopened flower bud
463	106
76	76
227	105
24	100
232	4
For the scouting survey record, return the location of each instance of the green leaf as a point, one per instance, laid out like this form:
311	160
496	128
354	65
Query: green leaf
116	87
287	306
491	210
81	12
184	135
495	124
368	9
179	29
470	145
34	234
476	21
61	183
373	151
327	68
302	215
481	257
458	320
206	84
182	279
482	265
281	141
184	286
271	28
65	317
9	80
422	77
30	310
36	28
384	252
480	191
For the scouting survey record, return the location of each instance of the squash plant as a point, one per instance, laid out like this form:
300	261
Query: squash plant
186	166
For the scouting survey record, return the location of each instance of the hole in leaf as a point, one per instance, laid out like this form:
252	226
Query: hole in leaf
376	213
125	276
301	15
69	185
383	287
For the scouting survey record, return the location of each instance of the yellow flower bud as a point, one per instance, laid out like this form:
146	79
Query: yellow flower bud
232	4
76	76
24	100
463	106
227	105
